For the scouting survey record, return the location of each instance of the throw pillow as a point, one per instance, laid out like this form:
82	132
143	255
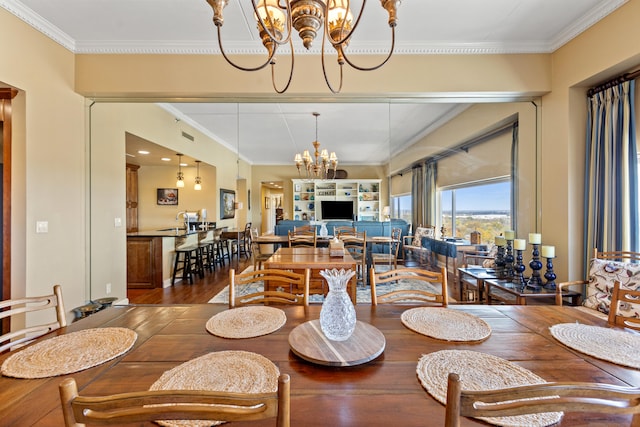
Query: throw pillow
602	275
419	234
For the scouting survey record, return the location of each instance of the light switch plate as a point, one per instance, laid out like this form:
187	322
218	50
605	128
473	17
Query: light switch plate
117	222
42	226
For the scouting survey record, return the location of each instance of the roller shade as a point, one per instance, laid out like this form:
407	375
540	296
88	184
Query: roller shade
400	184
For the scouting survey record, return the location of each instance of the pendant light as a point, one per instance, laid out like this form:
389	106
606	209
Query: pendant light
198	184
180	181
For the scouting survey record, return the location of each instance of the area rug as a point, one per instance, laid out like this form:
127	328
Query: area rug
480	371
363	293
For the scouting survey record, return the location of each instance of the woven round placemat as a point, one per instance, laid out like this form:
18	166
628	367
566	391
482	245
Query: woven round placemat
69	353
246	322
230	371
616	346
446	324
480	371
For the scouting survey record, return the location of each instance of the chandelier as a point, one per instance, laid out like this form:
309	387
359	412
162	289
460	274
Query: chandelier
275	19
317	166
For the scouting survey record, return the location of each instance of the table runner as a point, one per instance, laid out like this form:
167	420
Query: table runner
612	345
229	371
246	322
73	352
446	324
480	371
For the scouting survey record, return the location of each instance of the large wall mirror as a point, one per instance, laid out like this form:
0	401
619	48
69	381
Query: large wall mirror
249	146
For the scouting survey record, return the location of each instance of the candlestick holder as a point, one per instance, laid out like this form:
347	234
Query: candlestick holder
518	269
508	262
500	263
550	284
535	282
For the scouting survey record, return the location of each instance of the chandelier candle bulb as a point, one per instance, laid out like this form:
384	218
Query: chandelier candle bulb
500	241
519	244
548	251
535	238
509	234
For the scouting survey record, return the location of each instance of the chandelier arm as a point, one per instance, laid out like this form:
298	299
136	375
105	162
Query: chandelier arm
273	72
272	36
239	67
393	43
324	71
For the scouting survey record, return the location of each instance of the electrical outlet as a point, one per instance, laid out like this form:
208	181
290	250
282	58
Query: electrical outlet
108	288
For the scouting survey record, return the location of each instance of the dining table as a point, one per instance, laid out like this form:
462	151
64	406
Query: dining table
316	259
381	392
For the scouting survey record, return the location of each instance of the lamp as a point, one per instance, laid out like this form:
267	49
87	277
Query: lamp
386	213
317	166
306	17
198	184
180	182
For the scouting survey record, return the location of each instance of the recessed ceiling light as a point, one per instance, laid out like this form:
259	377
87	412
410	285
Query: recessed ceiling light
130	155
143	152
183	164
165	159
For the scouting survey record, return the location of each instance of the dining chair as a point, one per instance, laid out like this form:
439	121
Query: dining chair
343	229
628	296
356	245
16	308
282	278
256	251
152	405
539	398
467	285
416	295
391	257
303	239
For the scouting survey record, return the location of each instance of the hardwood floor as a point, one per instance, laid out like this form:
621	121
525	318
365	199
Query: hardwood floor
201	291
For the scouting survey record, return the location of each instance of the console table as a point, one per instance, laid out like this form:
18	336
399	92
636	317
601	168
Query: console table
509	293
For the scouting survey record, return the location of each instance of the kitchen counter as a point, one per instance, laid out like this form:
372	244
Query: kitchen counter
167	232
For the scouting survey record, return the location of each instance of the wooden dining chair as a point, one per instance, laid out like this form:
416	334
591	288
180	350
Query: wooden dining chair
415	295
391	257
622	295
15	308
539	398
343	230
283	278
256	251
303	239
135	407
356	245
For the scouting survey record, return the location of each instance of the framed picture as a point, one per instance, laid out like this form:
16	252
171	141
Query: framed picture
227	203
266	203
167	196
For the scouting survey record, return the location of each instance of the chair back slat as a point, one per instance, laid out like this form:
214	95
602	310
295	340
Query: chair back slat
285	279
416	295
619	296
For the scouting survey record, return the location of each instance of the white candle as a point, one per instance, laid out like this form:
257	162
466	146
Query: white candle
500	241
519	244
548	251
535	238
509	234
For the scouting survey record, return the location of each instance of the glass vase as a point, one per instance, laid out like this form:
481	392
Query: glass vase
337	315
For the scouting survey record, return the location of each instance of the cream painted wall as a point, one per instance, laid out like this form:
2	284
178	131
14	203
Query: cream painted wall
152	216
48	166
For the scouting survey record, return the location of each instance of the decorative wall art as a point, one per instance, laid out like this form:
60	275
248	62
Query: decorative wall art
167	196
227	203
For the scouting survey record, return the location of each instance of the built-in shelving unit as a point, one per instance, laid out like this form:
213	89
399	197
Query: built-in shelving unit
309	194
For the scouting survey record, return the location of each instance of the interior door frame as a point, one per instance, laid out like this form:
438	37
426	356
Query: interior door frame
6	95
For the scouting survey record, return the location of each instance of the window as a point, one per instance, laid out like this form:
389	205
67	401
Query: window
401	207
484	207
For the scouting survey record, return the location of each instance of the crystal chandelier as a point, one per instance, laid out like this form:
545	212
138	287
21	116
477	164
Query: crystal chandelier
275	19
319	165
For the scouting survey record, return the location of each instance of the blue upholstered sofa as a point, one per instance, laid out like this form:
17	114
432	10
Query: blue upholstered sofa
373	228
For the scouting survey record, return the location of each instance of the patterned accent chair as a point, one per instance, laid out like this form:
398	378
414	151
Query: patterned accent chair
414	252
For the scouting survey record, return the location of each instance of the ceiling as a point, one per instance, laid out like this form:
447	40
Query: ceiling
273	133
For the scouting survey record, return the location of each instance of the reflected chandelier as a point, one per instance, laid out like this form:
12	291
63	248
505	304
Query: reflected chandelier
317	166
275	19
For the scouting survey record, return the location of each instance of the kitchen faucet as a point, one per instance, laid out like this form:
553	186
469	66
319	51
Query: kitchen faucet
186	219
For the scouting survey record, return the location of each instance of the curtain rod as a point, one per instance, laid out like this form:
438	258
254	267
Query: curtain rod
614	82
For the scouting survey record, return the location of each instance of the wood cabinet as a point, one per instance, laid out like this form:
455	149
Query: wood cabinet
144	262
132	198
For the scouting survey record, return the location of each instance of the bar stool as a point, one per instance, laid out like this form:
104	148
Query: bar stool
188	260
220	247
206	249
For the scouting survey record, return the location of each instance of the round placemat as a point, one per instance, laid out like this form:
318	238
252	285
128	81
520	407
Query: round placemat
246	322
69	353
480	371
616	346
229	371
446	324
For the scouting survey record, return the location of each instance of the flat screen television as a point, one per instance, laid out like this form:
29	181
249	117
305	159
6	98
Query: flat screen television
332	209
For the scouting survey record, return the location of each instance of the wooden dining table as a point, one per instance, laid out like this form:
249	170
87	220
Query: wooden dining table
315	259
382	392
